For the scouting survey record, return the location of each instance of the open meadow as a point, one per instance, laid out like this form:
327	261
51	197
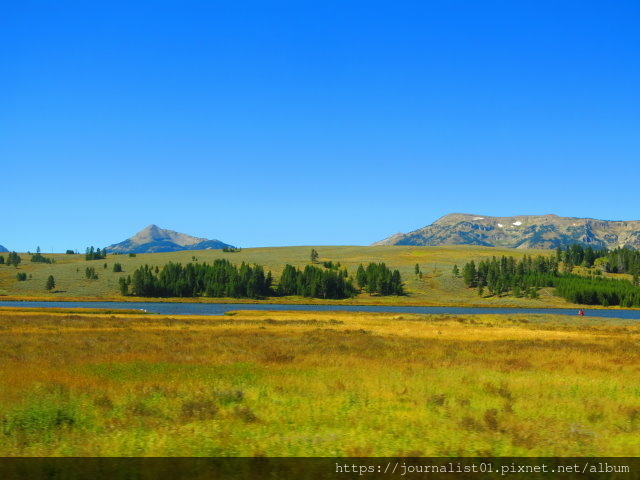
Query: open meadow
437	286
74	383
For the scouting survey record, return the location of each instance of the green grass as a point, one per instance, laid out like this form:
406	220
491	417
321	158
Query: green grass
437	286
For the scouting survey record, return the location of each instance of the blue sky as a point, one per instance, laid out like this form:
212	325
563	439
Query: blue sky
311	123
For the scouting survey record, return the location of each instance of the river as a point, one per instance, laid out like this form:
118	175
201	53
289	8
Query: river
177	308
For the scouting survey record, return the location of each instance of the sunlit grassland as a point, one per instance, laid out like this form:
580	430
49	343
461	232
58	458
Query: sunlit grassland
436	287
317	384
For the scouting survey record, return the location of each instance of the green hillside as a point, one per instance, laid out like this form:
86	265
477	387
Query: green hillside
437	286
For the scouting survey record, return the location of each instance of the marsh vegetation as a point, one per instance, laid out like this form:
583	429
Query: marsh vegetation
317	383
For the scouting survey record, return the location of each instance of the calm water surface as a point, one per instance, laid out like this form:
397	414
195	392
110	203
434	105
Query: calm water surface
176	308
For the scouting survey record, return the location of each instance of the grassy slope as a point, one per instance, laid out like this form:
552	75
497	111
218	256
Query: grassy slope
317	384
437	287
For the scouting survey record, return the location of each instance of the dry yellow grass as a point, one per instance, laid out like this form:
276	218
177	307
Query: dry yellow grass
317	384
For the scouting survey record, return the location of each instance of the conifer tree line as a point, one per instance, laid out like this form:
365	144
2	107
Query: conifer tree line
378	278
619	260
95	254
623	260
577	255
597	291
222	279
316	282
39	258
508	275
523	277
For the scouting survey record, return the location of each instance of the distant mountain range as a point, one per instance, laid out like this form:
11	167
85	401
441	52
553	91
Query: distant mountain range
155	239
522	231
2	249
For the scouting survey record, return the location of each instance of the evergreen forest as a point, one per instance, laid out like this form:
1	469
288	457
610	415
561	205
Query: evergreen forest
508	276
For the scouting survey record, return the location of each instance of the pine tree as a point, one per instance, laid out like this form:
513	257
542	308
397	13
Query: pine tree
92	254
14	259
51	283
361	277
469	274
124	287
90	273
559	254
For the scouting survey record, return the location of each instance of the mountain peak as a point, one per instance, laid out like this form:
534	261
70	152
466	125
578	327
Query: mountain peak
521	231
155	239
151	231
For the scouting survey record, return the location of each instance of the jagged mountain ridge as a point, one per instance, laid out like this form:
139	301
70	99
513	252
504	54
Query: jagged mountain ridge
522	231
154	239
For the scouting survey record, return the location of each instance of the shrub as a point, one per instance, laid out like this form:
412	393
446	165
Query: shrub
198	409
90	273
245	414
225	397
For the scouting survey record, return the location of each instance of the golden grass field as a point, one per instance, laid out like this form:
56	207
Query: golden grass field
74	383
436	287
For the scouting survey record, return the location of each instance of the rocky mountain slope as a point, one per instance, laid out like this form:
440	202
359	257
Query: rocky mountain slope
522	231
155	239
2	249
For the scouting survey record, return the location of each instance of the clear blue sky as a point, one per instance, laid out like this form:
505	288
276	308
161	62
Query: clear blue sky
311	123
